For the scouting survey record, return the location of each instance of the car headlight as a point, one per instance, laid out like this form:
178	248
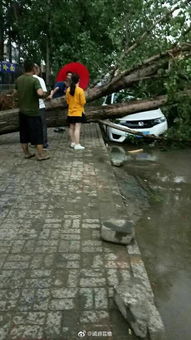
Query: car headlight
159	120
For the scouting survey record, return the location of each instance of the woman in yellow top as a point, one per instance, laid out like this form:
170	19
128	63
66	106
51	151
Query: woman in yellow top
76	100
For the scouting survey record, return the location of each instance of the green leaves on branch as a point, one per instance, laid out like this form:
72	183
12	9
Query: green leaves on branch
106	36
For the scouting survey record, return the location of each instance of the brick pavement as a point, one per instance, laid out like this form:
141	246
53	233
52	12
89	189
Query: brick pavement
56	275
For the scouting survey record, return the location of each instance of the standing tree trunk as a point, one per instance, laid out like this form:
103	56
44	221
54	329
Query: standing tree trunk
10	46
47	61
1	32
48	42
1	37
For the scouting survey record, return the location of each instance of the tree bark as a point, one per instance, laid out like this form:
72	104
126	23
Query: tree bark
47	61
148	68
56	108
1	32
138	133
133	132
56	116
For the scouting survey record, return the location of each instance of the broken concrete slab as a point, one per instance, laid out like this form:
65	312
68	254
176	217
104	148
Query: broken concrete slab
132	302
155	326
135	299
137	306
139	272
117	231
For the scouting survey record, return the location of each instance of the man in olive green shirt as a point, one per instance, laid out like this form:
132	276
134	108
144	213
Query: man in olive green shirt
31	130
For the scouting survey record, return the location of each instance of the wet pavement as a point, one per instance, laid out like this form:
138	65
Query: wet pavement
56	275
161	184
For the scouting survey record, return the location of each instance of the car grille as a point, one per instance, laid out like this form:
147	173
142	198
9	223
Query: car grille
139	124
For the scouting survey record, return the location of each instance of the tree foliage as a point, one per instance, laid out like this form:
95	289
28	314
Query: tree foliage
108	37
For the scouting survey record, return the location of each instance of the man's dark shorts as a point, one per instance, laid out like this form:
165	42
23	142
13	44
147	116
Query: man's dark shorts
31	130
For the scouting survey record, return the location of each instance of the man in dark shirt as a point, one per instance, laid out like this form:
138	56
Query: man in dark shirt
31	131
59	90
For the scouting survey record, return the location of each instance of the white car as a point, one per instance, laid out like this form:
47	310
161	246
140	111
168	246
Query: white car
151	122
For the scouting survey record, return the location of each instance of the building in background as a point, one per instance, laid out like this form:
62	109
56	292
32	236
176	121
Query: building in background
9	69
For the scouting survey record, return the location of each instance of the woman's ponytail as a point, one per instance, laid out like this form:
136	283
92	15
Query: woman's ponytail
74	80
72	88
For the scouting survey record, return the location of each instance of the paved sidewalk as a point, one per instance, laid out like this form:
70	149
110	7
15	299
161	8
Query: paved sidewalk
56	275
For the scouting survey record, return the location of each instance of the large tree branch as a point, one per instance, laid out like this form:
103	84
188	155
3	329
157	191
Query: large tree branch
147	68
171	53
138	133
56	115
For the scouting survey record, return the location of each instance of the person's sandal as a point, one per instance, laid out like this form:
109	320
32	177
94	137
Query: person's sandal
42	158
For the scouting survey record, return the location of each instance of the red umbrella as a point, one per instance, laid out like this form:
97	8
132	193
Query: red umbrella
78	68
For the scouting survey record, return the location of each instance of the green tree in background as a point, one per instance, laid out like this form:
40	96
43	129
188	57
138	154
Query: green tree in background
109	37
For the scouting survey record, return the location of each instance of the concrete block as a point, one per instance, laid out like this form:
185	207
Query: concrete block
117	231
155	325
138	308
133	304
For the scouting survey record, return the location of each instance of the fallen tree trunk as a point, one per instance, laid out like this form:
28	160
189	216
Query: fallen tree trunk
56	109
57	116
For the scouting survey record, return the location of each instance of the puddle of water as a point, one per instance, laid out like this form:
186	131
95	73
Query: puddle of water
164	233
